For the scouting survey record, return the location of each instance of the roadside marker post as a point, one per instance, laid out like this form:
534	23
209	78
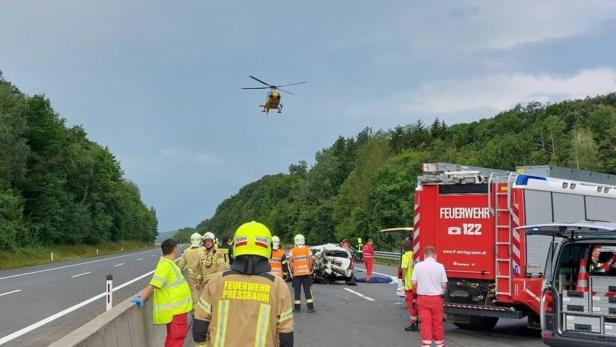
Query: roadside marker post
109	293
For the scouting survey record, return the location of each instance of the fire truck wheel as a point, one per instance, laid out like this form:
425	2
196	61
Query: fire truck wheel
478	323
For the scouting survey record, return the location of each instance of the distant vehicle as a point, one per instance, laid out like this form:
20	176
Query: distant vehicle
332	263
272	102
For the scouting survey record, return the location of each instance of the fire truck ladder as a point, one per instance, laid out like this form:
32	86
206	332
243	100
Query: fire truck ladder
502	228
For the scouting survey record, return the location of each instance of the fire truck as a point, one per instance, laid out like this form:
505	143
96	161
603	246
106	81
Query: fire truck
473	216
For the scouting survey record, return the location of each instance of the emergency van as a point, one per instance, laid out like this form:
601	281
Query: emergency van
473	217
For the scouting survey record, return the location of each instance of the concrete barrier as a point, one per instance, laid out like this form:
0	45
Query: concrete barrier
123	326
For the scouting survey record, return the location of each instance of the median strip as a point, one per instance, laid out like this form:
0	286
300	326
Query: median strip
359	294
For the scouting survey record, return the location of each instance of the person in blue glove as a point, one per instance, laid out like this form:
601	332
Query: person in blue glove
172	297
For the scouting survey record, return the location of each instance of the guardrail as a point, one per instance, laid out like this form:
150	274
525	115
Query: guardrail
387	255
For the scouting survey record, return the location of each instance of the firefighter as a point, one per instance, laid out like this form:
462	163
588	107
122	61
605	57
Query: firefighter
227	250
172	298
246	305
368	259
430	281
407	273
191	261
300	264
278	261
600	267
213	260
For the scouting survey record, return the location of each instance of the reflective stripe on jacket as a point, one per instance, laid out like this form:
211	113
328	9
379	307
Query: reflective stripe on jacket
171	292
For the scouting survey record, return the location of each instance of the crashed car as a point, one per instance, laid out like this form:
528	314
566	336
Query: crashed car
332	263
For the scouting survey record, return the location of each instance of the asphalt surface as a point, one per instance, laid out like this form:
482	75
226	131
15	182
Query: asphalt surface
346	319
35	295
364	315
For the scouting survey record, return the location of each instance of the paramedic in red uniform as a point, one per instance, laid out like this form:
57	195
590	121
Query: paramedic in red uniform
368	259
430	280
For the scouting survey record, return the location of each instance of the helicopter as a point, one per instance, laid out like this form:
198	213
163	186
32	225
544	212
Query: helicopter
272	102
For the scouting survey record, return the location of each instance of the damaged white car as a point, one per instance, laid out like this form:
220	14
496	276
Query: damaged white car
332	263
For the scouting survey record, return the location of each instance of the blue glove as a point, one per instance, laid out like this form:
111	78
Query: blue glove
138	301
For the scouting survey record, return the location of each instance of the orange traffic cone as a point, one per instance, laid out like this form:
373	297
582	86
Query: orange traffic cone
582	278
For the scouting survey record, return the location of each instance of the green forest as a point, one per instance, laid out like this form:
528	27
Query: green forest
362	184
56	186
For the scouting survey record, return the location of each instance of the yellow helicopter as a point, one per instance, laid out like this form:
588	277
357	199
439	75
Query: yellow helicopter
272	102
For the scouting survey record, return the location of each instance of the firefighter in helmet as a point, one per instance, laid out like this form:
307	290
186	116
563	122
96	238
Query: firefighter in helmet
191	261
278	261
300	263
213	260
246	305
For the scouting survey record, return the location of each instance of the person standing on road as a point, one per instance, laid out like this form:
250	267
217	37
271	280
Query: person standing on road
278	261
227	251
246	305
430	281
172	297
407	273
300	263
213	260
368	259
191	262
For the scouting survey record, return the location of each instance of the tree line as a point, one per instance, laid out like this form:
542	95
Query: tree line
362	184
59	187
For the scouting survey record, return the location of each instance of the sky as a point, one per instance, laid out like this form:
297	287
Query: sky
158	82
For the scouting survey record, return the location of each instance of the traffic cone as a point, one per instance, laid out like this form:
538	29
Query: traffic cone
582	278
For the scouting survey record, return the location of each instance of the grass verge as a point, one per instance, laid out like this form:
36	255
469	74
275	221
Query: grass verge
38	255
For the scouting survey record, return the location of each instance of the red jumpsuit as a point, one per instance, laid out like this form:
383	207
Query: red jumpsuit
368	259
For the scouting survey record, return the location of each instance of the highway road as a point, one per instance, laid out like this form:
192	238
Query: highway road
40	304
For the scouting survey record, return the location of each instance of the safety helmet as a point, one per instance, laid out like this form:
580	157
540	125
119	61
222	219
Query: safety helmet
252	238
209	235
195	240
275	242
299	240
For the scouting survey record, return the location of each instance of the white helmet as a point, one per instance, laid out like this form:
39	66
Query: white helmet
300	240
195	240
275	242
209	235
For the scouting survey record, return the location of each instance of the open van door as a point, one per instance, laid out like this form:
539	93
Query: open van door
400	235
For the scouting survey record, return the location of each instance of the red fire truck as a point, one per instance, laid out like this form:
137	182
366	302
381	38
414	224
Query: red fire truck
471	214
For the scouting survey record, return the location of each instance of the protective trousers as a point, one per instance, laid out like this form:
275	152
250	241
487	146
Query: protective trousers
368	261
410	305
195	290
431	313
177	331
306	282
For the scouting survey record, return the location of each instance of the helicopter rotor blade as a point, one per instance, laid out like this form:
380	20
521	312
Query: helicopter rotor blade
286	91
257	88
258	80
291	84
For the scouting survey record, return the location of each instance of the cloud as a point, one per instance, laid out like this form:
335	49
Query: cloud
490	94
480	24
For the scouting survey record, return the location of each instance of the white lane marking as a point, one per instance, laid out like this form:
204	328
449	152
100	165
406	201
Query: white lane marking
69	266
116	265
394	280
78	275
359	294
31	327
11	292
140	259
152	255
